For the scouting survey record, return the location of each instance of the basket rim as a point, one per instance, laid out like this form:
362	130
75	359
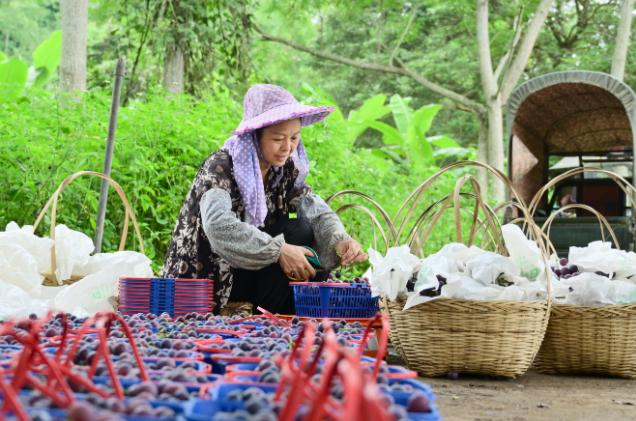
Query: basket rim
485	302
595	308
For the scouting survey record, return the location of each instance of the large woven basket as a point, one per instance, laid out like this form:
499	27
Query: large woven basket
494	338
586	339
590	340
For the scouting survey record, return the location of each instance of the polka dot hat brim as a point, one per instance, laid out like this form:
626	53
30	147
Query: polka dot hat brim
307	114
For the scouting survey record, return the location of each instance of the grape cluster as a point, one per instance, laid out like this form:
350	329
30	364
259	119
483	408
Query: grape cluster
564	270
336	277
253	404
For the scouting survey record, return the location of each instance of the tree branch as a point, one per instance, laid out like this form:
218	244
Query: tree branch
406	30
469	104
505	59
521	59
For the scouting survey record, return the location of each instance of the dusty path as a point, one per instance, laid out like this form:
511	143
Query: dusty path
535	396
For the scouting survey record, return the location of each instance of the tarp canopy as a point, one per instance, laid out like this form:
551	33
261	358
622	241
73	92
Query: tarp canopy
566	113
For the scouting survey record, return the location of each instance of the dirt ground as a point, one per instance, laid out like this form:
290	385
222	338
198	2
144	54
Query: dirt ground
535	396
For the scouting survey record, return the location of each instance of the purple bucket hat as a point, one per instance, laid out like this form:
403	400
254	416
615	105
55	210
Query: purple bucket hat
265	105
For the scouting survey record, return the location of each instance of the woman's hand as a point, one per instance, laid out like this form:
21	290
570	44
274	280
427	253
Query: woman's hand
350	252
294	262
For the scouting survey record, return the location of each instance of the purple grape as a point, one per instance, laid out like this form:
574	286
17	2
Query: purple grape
563	261
81	411
418	403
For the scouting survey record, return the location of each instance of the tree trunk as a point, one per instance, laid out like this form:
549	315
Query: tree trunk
493	102
482	155
174	69
495	148
74	20
622	39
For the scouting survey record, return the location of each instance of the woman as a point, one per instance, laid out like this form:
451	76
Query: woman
237	226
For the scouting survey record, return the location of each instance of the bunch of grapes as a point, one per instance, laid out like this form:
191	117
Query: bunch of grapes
564	270
336	277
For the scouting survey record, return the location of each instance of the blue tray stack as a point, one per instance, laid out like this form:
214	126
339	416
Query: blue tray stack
174	296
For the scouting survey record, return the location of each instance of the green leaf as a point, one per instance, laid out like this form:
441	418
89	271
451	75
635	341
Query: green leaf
2	57
46	57
387	153
458	151
419	148
423	118
372	109
359	120
390	136
13	77
443	141
401	114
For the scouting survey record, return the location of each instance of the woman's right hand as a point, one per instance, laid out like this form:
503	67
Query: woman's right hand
294	262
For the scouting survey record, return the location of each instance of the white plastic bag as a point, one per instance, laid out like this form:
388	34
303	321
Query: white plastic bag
523	252
391	273
459	253
487	267
100	261
463	287
16	302
92	293
72	249
587	289
598	256
38	247
19	267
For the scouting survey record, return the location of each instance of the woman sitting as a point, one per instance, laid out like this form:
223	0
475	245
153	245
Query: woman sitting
236	225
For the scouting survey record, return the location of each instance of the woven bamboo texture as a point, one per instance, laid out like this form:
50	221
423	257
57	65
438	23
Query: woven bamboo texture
494	338
567	112
52	203
586	339
590	340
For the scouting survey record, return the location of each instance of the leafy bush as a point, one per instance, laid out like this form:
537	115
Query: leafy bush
159	146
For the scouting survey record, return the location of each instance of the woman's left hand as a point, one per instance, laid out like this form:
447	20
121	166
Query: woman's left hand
350	252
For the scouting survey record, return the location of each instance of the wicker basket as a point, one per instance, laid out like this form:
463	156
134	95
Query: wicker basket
50	278
586	339
494	338
590	340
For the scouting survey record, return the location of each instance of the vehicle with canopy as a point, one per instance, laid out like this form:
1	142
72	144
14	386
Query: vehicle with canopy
571	119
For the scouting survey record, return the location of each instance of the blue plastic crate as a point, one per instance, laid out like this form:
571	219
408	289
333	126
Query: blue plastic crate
349	301
161	296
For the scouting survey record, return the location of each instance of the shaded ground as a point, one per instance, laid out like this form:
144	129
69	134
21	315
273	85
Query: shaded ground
536	396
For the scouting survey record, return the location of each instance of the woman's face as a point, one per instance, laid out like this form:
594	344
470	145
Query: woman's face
279	141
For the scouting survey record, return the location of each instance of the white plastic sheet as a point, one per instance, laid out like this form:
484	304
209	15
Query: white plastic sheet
72	250
25	257
524	252
38	247
391	272
92	293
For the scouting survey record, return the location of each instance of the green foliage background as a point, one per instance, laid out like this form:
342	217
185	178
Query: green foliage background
161	139
160	144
